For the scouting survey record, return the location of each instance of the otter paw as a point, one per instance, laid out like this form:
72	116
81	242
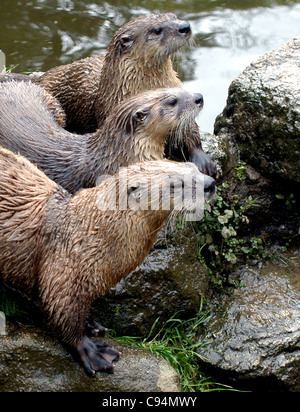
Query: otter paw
96	355
203	162
94	329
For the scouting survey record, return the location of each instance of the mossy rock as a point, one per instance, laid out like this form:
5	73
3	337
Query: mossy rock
262	114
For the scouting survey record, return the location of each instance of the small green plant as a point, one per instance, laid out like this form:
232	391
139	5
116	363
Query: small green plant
240	170
7	303
220	243
290	200
177	343
10	69
12	304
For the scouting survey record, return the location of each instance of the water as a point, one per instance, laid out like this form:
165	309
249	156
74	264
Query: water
228	35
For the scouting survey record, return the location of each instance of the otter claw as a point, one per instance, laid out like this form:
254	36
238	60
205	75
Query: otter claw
95	329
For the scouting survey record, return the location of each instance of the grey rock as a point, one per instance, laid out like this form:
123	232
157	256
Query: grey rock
30	361
221	150
262	114
254	335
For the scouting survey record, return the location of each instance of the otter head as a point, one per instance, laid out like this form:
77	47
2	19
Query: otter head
151	38
138	128
161	113
167	188
142	124
157	189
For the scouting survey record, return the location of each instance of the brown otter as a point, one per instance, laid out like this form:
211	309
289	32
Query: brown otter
136	130
137	59
60	250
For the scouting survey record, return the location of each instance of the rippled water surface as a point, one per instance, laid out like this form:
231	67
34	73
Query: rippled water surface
228	35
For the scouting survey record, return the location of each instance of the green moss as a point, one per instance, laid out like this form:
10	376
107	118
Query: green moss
265	130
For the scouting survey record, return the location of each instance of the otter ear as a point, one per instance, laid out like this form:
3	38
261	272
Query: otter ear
140	115
126	41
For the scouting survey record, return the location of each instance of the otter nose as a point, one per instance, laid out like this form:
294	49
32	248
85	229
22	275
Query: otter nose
184	27
209	186
199	99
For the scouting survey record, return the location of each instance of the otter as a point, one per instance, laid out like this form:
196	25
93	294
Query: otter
136	130
137	59
59	249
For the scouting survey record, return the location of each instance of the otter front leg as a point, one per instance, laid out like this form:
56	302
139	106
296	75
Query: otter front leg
96	356
203	162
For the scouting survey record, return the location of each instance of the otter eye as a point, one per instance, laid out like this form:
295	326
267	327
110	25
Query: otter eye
157	30
131	189
173	102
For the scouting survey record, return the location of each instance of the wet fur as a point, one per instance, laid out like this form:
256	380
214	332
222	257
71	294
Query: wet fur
60	249
136	60
89	88
136	130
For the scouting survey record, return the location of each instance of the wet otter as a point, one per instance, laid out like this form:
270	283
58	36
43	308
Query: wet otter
137	59
136	130
60	249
